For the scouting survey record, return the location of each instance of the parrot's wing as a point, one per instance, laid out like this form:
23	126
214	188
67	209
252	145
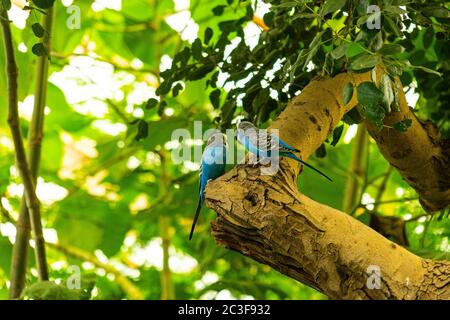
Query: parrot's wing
260	139
283	146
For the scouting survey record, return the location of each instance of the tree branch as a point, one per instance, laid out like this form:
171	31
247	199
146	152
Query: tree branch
420	155
21	160
35	135
267	219
167	292
358	169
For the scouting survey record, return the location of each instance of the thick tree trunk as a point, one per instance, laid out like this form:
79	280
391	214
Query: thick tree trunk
267	219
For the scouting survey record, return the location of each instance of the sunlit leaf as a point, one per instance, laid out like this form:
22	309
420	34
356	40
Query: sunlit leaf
403	125
347	93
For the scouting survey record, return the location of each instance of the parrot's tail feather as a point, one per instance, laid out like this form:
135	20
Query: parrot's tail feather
310	166
197	213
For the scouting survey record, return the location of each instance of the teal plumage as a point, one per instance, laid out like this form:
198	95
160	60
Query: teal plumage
212	166
262	144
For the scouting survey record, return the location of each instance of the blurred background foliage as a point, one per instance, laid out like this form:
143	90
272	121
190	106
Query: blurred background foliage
113	201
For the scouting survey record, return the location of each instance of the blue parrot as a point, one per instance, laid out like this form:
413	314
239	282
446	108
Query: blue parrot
212	166
260	143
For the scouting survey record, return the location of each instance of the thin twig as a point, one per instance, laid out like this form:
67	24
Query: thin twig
382	188
167	292
388	201
357	168
115	65
35	134
428	214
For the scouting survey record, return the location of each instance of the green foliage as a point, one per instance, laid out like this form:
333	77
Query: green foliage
38	30
47	290
370	97
347	93
403	125
44	4
39	49
90	223
6	4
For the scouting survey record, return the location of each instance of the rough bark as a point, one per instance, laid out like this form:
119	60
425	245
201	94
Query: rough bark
266	218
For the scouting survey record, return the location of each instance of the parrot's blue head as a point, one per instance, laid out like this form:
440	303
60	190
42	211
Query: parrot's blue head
218	139
244	128
245	125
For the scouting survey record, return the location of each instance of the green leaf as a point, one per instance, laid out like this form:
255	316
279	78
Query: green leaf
394	10
182	56
353	49
62	116
52	151
228	111
137	43
44	4
428	38
214	97
313	48
352	117
6	4
402	126
151	103
393	26
200	72
374	114
287	4
142	131
47	290
218	10
197	49
428	70
364	217
176	89
365	61
208	35
368	94
5	258
391	49
268	19
321	152
332	6
165	87
39	49
92	223
377	42
38	30
438	12
337	133
339	52
347	93
159	132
